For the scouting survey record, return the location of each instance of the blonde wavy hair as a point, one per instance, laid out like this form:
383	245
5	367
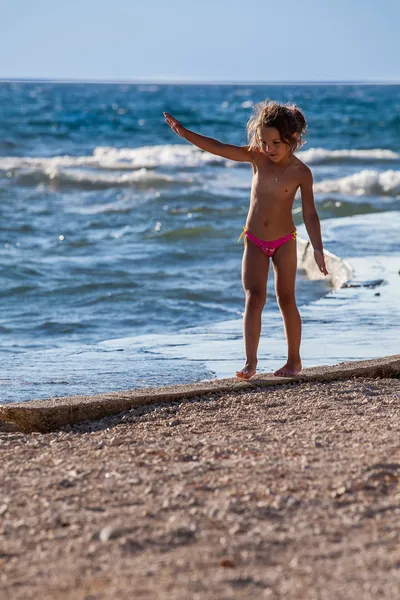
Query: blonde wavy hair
288	119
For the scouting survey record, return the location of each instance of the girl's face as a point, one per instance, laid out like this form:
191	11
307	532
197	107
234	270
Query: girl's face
272	145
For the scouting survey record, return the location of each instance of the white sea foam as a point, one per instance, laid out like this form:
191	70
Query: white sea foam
339	270
92	180
366	182
179	156
93	170
169	155
104	157
323	156
11	163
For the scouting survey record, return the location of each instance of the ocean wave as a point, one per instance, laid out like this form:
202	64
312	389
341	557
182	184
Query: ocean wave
180	156
7	144
167	155
136	167
54	327
340	271
109	158
15	163
366	182
91	180
322	156
19	290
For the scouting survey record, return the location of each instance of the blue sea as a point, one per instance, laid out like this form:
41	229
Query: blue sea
120	266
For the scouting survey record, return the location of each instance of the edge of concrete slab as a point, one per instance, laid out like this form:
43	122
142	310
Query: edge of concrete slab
47	415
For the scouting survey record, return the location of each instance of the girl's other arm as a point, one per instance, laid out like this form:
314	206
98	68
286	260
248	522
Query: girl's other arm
237	153
311	219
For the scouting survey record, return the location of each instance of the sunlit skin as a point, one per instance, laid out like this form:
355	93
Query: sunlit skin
272	146
269	218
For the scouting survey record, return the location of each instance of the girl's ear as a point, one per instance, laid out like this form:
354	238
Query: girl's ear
296	136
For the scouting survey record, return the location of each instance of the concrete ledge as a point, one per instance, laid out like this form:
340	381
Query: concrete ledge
47	415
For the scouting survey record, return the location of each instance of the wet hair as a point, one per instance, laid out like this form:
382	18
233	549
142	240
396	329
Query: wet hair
286	118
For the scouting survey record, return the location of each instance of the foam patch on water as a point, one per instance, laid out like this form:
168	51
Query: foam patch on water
176	155
339	270
171	155
323	156
366	182
105	157
91	171
94	180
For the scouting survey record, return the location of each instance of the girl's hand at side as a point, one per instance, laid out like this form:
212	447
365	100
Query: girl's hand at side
175	125
320	260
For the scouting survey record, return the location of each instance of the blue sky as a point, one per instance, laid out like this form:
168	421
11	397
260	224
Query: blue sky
205	40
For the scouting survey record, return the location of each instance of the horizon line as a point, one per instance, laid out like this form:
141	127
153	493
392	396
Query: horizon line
197	82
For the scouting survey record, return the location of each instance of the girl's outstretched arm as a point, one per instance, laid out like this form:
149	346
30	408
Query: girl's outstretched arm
311	219
238	153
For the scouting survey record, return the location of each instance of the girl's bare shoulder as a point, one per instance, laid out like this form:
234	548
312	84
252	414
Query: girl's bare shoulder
301	168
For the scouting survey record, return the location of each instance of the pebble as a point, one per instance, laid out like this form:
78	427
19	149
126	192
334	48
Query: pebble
107	533
227	563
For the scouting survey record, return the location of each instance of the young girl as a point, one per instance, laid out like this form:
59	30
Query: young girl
274	134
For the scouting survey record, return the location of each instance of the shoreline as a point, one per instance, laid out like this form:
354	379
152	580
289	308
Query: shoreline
50	414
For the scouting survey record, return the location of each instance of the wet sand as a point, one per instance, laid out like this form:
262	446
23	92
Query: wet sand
288	492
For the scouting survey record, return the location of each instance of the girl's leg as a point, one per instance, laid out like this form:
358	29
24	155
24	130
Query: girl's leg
255	267
285	266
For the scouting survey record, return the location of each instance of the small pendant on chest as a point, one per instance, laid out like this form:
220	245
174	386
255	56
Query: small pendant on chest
276	179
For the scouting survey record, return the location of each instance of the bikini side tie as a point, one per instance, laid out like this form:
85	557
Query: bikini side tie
242	234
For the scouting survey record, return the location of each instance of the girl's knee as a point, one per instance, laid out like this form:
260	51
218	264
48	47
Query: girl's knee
255	298
286	301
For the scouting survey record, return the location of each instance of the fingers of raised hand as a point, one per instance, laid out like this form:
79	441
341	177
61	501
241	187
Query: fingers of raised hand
170	120
175	126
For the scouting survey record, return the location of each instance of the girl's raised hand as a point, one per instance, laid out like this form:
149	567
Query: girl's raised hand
174	124
320	260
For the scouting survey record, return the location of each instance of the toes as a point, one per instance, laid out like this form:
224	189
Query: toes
245	374
242	375
286	373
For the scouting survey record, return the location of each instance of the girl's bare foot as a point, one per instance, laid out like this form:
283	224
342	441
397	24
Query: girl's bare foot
248	370
290	369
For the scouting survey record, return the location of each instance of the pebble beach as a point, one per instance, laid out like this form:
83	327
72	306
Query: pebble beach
289	492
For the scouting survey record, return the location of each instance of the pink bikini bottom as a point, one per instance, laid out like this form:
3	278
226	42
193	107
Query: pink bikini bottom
268	247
